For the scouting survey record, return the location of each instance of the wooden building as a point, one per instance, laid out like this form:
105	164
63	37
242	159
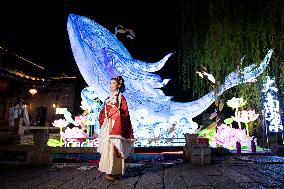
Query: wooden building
18	76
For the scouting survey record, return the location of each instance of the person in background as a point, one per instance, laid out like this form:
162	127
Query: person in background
26	115
13	114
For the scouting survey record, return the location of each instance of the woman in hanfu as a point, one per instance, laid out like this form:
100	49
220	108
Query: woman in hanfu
116	135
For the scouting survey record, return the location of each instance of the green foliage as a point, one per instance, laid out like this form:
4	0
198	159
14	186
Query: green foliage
229	121
55	142
218	34
208	133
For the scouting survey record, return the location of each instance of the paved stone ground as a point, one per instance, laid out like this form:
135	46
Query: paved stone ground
226	173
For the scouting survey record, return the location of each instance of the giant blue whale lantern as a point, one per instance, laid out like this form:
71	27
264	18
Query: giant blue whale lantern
100	56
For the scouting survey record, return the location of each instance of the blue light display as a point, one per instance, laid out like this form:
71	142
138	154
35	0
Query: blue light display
100	56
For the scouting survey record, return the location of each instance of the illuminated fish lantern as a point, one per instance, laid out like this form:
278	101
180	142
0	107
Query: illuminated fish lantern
99	56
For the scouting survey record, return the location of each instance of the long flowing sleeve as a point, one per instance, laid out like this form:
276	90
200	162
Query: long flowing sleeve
126	122
102	117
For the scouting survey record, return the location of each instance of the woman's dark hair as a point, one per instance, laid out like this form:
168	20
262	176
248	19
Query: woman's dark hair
120	81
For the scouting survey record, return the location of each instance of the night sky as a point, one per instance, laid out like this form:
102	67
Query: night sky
36	30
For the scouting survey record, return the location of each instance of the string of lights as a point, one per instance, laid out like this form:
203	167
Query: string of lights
27	76
28	61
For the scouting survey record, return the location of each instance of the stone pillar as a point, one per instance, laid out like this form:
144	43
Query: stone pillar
41	156
190	140
200	154
18	130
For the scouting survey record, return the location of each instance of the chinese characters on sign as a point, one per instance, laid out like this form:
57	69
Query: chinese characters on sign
271	106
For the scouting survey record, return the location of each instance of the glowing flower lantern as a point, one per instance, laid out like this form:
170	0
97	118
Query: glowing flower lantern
73	135
245	117
60	123
80	118
228	136
236	103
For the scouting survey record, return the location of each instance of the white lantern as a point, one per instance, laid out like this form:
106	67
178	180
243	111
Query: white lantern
33	91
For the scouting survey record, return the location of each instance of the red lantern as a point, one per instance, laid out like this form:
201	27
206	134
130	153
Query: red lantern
3	85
